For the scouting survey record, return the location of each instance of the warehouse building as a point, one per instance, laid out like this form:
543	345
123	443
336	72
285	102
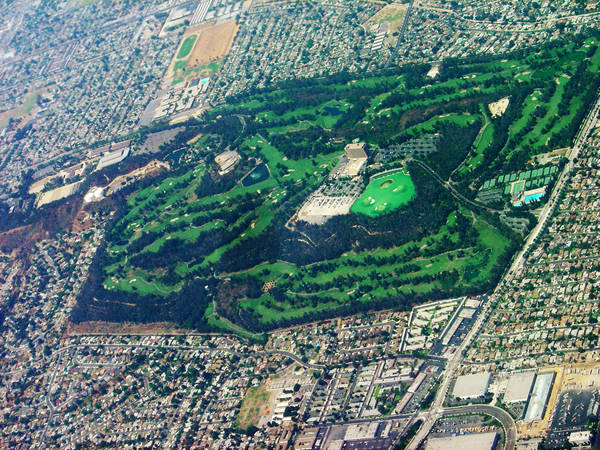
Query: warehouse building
539	397
472	386
518	387
479	441
357	157
113	157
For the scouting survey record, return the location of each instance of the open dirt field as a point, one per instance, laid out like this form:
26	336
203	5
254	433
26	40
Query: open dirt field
393	14
28	107
121	181
255	404
213	43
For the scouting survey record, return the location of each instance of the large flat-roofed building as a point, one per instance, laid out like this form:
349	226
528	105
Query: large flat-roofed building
355	150
227	161
518	387
471	386
307	439
357	157
539	397
479	441
113	157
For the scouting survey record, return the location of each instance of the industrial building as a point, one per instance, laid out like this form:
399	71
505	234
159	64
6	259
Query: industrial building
479	441
113	157
518	387
539	397
471	386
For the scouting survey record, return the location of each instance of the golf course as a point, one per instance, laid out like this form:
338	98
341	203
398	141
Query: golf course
385	193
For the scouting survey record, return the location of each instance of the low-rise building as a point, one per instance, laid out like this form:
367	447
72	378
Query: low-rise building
471	386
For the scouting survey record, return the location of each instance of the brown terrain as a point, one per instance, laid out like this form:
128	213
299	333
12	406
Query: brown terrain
213	43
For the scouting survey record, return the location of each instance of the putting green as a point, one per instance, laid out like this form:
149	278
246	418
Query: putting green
385	193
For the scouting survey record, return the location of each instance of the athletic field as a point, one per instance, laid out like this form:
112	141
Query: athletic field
385	193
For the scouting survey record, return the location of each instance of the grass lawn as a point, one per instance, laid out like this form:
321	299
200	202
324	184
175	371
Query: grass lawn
179	65
385	193
253	407
186	46
482	142
494	243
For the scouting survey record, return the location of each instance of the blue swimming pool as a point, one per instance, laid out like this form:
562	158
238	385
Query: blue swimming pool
532	197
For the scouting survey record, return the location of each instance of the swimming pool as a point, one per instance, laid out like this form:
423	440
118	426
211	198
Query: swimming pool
532	197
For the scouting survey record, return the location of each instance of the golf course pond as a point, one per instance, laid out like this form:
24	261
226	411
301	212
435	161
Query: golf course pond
260	173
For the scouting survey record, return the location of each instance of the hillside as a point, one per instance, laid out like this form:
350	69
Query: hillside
210	250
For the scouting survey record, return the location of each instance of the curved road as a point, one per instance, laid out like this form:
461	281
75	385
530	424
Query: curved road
510	431
289	355
456	360
455	193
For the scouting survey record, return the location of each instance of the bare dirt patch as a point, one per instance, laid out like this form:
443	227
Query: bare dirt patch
113	328
254	406
392	14
213	43
498	108
194	139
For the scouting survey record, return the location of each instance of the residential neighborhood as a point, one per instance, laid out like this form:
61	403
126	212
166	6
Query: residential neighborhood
258	291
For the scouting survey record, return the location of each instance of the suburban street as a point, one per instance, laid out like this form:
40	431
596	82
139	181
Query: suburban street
436	410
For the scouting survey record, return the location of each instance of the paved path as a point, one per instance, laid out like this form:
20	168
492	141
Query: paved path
455	193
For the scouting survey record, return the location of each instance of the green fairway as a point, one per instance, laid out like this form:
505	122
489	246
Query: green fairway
194	227
385	193
186	47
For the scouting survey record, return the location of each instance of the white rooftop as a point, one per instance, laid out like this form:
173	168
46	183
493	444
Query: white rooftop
518	387
480	441
472	385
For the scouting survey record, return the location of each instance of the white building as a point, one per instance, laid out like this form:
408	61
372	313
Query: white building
227	161
580	437
518	387
479	441
472	386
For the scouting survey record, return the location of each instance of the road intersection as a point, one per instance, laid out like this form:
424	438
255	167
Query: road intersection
437	411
